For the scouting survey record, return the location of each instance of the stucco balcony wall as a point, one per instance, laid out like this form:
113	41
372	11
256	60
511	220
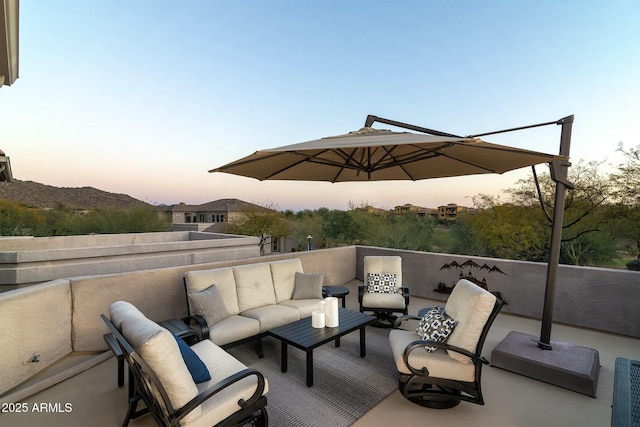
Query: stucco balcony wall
56	318
26	261
597	298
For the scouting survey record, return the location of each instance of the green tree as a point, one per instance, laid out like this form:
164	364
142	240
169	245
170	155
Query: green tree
263	222
626	183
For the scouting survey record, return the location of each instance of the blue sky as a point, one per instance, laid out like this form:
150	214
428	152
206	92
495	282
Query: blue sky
144	97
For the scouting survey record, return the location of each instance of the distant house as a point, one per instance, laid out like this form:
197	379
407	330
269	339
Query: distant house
418	210
213	217
450	212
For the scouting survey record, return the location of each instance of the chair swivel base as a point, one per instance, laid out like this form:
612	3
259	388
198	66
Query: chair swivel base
426	396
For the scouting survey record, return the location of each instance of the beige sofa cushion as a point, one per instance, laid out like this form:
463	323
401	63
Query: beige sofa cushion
274	315
232	329
254	286
470	306
224	280
160	351
283	274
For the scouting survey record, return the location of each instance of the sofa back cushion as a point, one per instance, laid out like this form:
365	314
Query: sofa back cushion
254	286
224	280
160	351
283	274
470	306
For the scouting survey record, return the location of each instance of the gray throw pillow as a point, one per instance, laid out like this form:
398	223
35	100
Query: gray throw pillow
209	304
308	285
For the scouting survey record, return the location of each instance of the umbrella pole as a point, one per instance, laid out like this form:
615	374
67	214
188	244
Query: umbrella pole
560	176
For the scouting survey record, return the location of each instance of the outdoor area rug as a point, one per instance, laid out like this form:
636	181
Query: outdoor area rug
345	386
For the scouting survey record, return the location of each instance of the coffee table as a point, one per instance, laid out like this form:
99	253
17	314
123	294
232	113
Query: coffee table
302	335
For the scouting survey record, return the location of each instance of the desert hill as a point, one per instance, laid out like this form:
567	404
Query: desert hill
36	195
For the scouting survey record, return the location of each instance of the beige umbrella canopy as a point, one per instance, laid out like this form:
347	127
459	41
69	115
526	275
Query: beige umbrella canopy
378	155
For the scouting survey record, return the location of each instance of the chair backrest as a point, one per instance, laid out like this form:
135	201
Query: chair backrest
472	307
155	360
149	388
383	265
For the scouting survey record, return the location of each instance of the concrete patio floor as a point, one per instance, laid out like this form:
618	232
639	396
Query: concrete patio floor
510	399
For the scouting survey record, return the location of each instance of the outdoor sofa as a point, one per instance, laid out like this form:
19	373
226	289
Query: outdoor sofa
233	304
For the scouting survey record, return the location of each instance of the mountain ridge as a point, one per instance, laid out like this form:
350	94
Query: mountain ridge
43	196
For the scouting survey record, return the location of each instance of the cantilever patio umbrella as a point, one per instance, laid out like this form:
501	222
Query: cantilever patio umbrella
378	155
375	155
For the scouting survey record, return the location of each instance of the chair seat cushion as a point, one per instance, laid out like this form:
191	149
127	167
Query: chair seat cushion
379	300
221	365
438	363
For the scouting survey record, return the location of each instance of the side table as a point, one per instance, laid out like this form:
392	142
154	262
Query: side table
336	291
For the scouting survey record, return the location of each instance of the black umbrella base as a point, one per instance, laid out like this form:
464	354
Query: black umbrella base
569	366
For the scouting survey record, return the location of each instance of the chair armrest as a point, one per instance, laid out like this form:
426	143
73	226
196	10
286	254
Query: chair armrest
421	344
405	294
221	385
404	318
113	345
360	293
201	324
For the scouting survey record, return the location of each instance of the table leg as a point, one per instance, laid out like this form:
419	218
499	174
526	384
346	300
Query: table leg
338	342
283	356
309	368
343	301
363	344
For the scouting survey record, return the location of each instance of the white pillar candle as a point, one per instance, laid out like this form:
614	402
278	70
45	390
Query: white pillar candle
331	311
317	319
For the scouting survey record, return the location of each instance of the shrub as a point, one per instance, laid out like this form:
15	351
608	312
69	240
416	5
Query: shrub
634	265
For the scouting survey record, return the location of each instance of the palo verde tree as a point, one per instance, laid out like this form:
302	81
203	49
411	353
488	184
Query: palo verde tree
264	222
521	229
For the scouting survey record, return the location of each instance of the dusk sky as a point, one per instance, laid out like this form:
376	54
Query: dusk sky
143	97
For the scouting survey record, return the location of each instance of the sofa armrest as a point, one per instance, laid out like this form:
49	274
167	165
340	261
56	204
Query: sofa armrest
221	385
200	323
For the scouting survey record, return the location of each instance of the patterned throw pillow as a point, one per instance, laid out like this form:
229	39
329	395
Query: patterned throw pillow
381	283
435	326
209	304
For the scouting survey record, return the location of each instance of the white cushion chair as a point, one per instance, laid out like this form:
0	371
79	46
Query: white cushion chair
441	374
383	292
194	386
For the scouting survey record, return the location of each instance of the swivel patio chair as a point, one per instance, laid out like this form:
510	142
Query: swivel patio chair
382	292
440	372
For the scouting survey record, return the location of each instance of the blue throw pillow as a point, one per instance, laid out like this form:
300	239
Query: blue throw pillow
197	368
